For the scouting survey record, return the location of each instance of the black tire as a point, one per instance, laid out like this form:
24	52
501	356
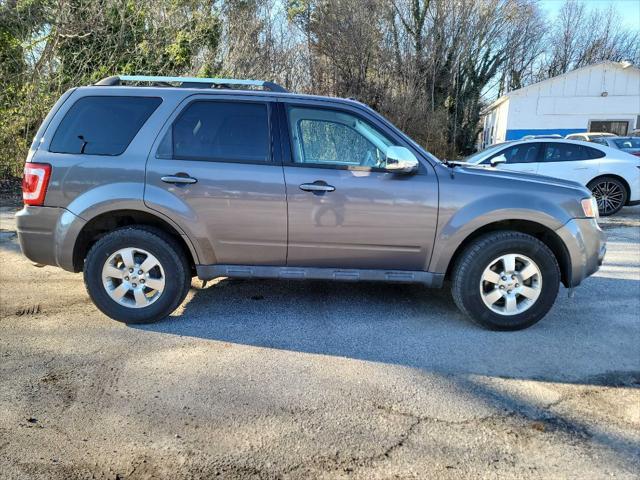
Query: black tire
164	248
610	193
470	265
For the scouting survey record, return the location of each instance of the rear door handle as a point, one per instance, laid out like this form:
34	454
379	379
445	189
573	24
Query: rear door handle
317	187
178	179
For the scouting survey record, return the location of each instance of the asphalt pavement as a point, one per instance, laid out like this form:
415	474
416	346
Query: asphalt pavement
268	379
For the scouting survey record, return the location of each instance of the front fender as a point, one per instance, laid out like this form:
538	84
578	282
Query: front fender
457	222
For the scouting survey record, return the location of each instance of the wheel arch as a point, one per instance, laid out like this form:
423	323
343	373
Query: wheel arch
101	224
535	229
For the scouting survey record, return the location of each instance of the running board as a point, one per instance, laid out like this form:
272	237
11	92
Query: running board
208	272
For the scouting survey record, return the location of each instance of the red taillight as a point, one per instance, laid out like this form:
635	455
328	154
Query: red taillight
637	154
34	182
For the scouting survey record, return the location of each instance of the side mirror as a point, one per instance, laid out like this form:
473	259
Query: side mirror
401	160
498	160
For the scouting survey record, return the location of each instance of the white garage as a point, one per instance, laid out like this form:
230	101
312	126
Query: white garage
601	97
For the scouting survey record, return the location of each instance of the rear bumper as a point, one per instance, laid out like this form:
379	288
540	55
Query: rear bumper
586	244
47	235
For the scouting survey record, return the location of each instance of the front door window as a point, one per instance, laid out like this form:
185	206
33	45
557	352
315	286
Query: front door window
332	138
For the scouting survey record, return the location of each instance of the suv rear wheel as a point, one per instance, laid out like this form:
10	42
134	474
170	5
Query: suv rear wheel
506	280
137	275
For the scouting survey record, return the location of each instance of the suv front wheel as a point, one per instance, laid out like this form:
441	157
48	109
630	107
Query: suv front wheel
137	274
506	280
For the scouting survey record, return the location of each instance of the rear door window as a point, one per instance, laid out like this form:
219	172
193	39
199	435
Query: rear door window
219	131
102	125
567	152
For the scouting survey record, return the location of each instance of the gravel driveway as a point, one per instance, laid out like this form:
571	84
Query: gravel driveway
266	379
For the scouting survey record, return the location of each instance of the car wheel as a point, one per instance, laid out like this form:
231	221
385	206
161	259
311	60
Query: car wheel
137	275
506	280
610	194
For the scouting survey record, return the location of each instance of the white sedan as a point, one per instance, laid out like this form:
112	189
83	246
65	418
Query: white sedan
613	176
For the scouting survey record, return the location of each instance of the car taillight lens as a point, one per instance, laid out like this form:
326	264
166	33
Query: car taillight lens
34	182
637	154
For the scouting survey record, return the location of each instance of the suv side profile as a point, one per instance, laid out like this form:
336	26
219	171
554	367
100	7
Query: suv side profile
143	187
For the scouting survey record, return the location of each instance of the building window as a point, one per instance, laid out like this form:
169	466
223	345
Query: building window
617	127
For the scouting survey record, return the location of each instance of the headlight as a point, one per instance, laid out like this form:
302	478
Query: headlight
590	207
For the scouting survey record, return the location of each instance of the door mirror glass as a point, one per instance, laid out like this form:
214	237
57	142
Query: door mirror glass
497	160
400	160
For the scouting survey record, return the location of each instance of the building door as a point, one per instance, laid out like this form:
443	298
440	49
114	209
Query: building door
617	127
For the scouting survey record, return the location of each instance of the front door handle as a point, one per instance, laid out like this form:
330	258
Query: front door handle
317	187
178	178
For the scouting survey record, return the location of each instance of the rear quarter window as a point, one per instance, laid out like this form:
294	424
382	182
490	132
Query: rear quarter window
594	152
102	125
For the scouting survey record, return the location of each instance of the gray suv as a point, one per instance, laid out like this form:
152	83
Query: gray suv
144	182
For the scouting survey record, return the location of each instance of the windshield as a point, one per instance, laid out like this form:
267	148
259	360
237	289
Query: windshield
627	142
482	153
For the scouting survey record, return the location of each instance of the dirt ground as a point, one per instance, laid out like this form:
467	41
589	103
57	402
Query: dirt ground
266	379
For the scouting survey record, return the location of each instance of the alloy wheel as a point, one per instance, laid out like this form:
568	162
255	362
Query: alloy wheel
510	284
609	196
133	277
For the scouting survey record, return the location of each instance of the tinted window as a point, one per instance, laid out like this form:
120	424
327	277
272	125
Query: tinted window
102	125
327	137
521	153
567	152
627	142
593	153
223	131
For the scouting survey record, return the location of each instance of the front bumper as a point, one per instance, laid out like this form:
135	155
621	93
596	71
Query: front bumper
47	235
586	245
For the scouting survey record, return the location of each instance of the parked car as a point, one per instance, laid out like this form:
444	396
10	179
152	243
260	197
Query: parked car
548	135
589	136
626	144
613	176
142	188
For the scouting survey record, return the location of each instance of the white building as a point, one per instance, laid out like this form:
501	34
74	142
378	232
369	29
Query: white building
604	97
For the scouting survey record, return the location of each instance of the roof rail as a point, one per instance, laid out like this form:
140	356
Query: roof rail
192	82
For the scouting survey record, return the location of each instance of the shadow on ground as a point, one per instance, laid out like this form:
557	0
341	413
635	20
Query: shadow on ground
415	327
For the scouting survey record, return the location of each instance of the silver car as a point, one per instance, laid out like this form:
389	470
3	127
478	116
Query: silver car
626	144
612	175
143	187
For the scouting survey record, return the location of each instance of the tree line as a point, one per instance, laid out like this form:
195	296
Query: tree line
428	65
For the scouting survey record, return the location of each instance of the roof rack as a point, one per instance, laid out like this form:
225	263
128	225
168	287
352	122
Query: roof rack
192	82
